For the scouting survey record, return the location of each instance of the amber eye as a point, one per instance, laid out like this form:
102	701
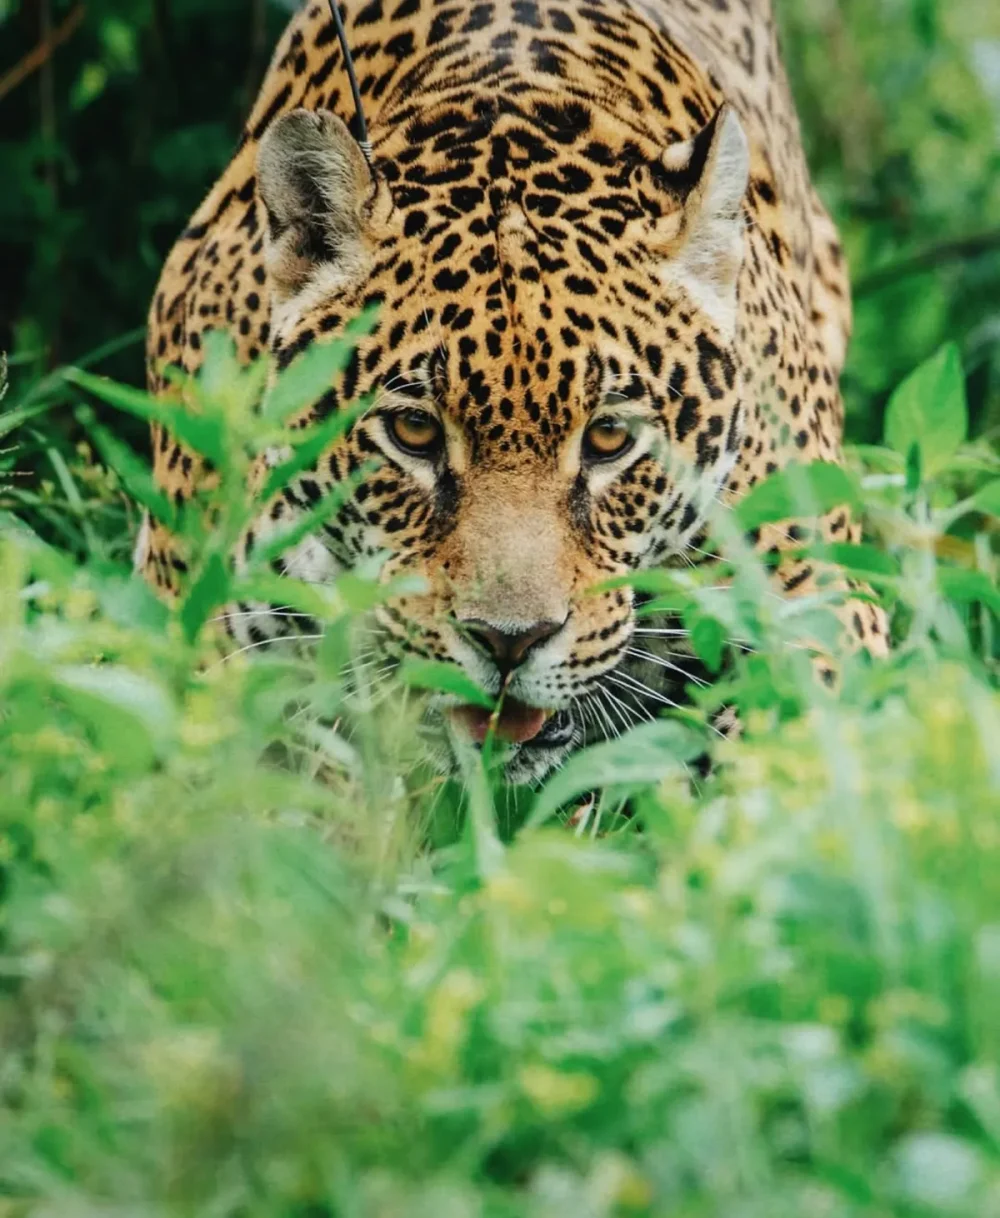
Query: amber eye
606	439
416	432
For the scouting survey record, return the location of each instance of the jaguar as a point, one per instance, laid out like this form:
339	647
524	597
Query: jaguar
607	298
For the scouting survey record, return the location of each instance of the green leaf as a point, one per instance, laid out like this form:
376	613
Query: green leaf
209	590
876	457
968	587
662	604
642	756
929	410
131	602
798	490
129	714
286	539
268	588
708	636
11	420
863	560
312	373
360	593
914	468
310	446
987	498
652	582
204	433
446	679
134	474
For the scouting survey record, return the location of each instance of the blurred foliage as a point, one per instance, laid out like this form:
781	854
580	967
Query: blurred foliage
105	151
900	105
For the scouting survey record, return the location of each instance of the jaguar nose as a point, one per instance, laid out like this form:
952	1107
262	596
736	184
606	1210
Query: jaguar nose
506	648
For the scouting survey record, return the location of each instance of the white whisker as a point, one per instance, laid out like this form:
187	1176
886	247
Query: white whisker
281	638
655	659
264	612
627	681
633	686
628	715
601	716
677	655
684	634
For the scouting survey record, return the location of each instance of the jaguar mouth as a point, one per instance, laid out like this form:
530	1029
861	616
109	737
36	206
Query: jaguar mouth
513	722
517	724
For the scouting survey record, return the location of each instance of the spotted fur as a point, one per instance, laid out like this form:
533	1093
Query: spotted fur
578	208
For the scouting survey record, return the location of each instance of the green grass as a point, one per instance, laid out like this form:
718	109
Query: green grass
256	960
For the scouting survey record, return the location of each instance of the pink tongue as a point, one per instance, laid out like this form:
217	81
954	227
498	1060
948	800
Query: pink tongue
516	724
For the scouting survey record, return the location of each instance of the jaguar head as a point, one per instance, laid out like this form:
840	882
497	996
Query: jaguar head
553	382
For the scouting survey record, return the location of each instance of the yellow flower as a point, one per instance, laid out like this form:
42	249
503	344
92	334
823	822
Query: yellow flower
555	1092
506	889
455	996
834	1009
79	604
615	1181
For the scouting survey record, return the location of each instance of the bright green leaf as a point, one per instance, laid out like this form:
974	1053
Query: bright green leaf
314	372
309	522
708	636
929	410
129	713
446	679
209	590
987	498
968	587
309	447
267	588
642	756
798	490
137	478
11	420
651	582
863	560
201	432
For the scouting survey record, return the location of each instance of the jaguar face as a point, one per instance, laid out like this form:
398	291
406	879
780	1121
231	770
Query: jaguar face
553	382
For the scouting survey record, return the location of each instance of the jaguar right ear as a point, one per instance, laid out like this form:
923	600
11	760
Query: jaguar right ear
324	207
711	173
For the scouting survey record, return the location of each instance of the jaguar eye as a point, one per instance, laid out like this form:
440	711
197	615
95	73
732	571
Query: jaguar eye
416	432
606	439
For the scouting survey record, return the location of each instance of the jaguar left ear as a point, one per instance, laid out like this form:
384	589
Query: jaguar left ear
711	172
324	206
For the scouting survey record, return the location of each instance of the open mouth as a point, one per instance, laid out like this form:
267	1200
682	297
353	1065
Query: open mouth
516	723
513	722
